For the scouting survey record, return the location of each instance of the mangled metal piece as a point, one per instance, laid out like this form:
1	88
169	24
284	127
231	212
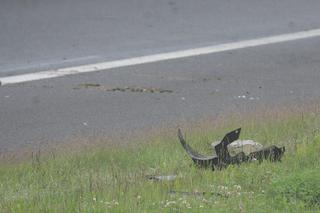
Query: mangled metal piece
272	153
222	158
198	159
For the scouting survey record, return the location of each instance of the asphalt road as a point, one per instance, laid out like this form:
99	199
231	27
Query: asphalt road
42	34
45	34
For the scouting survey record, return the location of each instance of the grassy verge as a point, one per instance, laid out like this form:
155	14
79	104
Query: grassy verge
114	179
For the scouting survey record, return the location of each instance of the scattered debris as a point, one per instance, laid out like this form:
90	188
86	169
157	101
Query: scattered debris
221	157
242	96
251	98
87	85
140	89
123	89
162	177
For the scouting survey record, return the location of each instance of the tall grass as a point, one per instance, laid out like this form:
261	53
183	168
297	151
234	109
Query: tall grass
113	179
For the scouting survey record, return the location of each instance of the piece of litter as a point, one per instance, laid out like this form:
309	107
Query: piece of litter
242	96
183	98
85	124
162	177
222	156
7	96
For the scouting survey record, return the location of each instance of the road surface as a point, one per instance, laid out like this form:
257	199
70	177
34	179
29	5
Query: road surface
41	35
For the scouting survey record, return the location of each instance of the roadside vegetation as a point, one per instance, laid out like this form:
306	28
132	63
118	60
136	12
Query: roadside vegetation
114	178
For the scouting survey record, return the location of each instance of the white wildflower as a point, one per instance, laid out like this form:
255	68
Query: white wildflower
204	200
237	187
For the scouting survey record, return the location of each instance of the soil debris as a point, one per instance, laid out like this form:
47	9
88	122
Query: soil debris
139	89
124	89
87	85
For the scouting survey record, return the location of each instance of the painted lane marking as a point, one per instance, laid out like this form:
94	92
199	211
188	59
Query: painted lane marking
158	57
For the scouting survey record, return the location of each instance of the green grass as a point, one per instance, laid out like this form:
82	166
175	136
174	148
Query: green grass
112	179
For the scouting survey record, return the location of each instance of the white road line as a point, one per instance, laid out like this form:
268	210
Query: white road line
158	57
